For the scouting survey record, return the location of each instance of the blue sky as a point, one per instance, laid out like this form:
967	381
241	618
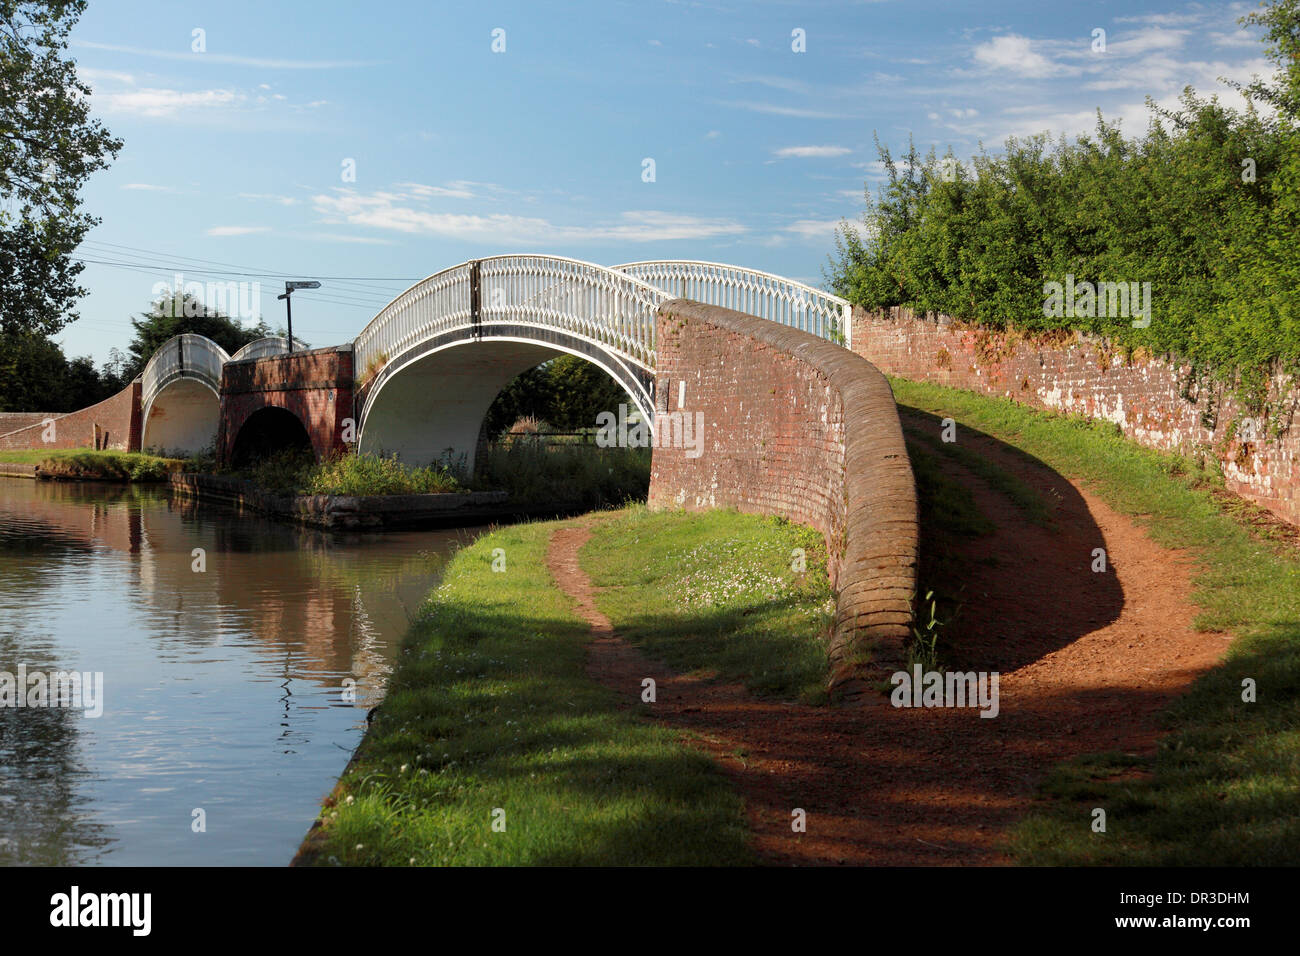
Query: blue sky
234	156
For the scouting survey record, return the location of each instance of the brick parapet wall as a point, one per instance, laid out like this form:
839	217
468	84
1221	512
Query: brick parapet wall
1150	398
798	427
113	423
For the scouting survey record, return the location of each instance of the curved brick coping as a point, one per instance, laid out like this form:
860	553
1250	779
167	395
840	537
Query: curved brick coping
345	512
799	427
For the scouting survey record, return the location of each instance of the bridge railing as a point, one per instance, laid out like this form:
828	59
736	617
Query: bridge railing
434	305
261	348
750	291
589	301
183	356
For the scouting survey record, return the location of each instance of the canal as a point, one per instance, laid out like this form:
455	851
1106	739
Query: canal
228	645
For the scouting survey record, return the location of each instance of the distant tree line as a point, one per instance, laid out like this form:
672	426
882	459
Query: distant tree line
36	375
1205	207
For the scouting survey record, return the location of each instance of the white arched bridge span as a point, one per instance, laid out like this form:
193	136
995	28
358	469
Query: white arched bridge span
430	363
414	371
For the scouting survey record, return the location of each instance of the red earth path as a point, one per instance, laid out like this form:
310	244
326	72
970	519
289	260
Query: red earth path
1086	661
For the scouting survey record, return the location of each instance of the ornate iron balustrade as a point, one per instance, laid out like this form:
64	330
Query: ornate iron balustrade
755	293
432	306
261	348
182	356
590	302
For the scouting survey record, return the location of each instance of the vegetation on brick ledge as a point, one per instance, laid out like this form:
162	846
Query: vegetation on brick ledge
88	465
297	472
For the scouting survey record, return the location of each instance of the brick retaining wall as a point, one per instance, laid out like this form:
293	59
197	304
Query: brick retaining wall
1151	399
798	427
113	423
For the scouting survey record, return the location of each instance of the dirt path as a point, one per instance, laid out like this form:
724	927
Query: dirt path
1086	662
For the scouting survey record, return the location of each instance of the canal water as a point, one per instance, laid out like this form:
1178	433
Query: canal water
225	713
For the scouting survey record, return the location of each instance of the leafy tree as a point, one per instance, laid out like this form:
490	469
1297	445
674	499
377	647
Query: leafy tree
36	377
178	313
1205	207
32	372
566	392
49	146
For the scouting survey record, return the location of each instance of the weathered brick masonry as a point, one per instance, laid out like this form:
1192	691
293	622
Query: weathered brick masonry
315	385
113	423
798	427
1147	398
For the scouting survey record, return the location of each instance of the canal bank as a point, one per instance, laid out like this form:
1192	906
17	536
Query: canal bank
497	745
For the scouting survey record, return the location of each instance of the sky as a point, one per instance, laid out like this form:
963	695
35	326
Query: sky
369	145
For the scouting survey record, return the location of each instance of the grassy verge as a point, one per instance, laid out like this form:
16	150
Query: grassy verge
96	465
583	477
298	473
489	709
1222	788
717	591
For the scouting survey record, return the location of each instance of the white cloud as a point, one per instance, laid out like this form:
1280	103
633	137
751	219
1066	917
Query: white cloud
160	102
384	211
276	63
777	110
149	187
811	152
265	197
1014	54
820	230
1145	41
457	190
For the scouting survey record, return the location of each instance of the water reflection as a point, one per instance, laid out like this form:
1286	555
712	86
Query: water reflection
224	642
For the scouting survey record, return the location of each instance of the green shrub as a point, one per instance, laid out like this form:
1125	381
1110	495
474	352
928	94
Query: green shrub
1205	207
296	472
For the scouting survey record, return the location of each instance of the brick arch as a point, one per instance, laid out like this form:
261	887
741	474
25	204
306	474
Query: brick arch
315	386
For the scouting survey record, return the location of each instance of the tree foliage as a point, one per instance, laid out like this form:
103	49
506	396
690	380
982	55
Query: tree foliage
1205	206
49	146
567	393
178	313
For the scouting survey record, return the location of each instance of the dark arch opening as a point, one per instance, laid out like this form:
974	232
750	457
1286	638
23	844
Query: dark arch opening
269	431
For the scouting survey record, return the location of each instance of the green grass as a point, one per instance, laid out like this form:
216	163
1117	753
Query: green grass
490	707
297	472
1224	786
1030	502
585	477
85	463
715	591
